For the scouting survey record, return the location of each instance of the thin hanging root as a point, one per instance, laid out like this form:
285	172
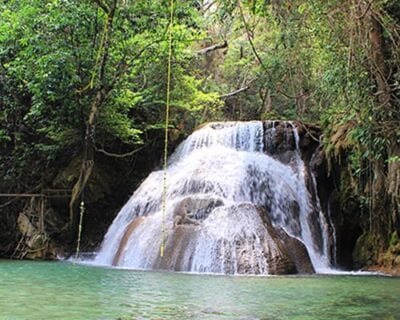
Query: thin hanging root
86	171
167	106
82	210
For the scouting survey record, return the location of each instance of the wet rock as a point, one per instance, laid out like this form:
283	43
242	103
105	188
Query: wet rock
316	225
297	252
128	232
178	251
241	252
279	140
295	258
193	209
366	251
274	252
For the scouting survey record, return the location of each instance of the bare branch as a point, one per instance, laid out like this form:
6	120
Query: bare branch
237	91
365	11
117	155
309	132
233	93
213	48
292	97
207	6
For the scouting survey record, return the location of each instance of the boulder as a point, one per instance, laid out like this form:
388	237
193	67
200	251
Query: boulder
34	244
295	251
244	250
194	209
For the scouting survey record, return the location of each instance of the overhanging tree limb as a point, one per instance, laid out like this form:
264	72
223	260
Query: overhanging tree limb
234	93
213	48
118	155
245	87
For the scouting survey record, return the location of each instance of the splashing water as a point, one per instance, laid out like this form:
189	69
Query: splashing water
217	180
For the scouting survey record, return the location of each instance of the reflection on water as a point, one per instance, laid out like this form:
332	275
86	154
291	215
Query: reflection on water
42	290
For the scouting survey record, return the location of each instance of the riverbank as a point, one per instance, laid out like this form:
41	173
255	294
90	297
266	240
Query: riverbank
389	270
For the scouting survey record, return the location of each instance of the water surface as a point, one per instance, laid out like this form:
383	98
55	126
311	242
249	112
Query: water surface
45	290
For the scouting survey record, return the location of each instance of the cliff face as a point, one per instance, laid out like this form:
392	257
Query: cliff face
280	143
360	230
329	183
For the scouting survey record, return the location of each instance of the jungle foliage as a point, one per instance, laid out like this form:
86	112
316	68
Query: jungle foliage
79	78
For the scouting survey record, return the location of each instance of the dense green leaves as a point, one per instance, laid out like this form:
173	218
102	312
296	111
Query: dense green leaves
50	74
330	62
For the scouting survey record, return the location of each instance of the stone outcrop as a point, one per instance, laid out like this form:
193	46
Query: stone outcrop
294	249
191	210
284	254
34	243
127	233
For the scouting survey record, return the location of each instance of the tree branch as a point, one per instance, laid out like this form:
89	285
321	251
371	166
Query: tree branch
213	48
237	91
365	11
117	155
233	93
309	132
249	36
102	5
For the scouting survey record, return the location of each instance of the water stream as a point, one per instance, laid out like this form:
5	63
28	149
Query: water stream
219	180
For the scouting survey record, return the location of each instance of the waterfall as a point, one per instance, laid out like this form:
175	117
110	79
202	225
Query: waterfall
232	207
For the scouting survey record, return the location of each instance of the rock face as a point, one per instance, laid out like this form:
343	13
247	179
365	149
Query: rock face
193	210
34	244
273	248
297	252
282	141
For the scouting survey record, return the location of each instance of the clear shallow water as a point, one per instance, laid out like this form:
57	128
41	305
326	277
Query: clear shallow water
44	290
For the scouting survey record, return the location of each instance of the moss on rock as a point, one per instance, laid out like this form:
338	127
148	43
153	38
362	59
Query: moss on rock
366	250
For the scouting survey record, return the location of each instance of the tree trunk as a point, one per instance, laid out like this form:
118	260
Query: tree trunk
88	144
382	205
378	60
393	181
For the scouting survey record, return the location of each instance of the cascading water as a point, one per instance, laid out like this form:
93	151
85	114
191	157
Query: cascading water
231	208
